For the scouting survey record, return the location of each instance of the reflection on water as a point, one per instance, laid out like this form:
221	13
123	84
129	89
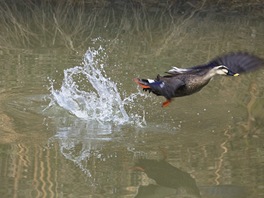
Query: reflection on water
82	134
175	182
166	175
78	145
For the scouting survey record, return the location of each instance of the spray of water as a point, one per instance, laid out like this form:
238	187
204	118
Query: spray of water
89	94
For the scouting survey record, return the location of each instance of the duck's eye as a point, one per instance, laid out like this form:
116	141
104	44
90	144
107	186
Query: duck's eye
225	70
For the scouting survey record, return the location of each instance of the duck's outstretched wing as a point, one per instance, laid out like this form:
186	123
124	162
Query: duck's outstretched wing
176	70
238	62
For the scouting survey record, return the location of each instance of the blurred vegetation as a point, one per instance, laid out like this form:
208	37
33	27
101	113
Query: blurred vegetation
72	23
153	34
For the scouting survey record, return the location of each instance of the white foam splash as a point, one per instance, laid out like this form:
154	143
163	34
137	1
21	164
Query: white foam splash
89	94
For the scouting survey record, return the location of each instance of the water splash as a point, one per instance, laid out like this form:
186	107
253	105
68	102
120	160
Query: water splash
89	94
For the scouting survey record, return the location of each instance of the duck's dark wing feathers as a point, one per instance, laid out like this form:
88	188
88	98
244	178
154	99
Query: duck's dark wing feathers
237	62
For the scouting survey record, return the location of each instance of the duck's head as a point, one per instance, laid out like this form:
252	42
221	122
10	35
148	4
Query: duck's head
223	70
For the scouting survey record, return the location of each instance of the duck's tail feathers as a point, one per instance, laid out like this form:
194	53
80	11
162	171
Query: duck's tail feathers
143	83
150	85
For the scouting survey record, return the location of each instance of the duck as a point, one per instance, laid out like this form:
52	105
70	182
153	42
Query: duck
179	82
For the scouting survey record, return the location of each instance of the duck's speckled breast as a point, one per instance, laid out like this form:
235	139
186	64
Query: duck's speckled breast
193	84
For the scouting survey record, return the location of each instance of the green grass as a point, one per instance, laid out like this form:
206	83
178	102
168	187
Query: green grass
72	24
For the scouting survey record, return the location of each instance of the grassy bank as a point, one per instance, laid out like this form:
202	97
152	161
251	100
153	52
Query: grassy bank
72	23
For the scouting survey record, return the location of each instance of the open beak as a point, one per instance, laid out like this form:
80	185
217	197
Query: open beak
230	73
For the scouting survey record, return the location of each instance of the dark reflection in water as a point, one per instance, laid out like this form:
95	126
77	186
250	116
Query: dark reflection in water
174	182
168	176
214	140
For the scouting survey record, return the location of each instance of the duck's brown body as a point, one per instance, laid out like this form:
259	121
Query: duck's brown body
181	82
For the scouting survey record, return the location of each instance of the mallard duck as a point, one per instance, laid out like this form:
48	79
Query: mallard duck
186	81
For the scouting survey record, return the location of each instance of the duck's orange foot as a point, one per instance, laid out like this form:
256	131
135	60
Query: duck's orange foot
166	103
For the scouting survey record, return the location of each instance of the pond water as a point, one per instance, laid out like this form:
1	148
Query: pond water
74	124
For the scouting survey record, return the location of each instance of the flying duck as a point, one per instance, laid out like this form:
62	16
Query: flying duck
186	81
